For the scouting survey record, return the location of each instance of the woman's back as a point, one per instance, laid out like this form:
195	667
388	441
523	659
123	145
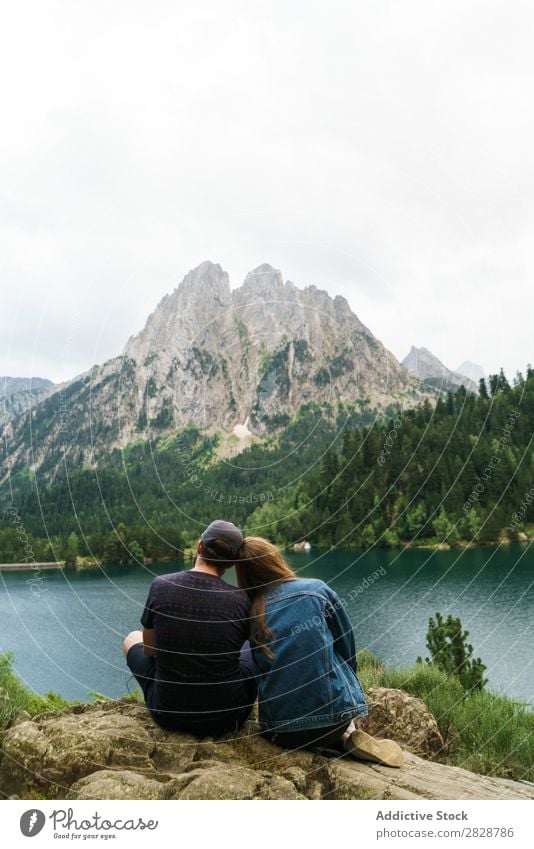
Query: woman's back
309	681
309	693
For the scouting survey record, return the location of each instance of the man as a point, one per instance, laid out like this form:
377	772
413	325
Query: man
192	659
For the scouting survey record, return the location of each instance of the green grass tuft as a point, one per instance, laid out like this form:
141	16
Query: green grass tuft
15	697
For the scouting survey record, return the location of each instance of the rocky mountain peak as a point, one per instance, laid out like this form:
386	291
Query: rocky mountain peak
264	281
341	306
205	283
428	368
18	394
258	352
219	358
182	317
471	370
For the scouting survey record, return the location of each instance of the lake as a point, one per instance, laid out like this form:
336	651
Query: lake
68	638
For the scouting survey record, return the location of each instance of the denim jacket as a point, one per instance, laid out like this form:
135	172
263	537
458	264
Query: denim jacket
311	681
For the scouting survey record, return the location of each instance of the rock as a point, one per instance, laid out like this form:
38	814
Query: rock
407	720
53	751
203	781
419	779
225	781
114	750
118	784
22	716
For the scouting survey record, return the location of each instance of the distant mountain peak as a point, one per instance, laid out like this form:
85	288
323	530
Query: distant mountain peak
424	365
18	394
471	370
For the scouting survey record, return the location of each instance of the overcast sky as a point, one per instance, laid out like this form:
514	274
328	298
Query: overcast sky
380	150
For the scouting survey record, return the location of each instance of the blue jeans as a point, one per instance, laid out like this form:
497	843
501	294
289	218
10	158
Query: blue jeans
327	737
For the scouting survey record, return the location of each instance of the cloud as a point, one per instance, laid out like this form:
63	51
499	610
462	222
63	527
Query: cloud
382	151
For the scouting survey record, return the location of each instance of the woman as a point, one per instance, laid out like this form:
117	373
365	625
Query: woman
303	644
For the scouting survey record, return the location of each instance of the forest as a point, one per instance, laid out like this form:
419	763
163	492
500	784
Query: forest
456	472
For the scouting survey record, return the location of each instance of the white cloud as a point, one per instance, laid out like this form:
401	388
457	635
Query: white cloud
381	150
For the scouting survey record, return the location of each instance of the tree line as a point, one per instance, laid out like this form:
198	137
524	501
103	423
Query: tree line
457	471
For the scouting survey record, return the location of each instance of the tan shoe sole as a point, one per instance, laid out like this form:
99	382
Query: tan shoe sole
367	748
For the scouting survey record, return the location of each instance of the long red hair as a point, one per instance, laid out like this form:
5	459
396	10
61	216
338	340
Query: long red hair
261	566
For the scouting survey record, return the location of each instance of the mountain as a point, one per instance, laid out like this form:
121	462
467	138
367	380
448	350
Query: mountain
424	365
471	370
246	359
18	394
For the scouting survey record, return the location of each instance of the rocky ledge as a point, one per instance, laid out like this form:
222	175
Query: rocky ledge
113	750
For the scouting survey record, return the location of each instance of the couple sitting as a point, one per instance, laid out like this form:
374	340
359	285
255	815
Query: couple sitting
208	650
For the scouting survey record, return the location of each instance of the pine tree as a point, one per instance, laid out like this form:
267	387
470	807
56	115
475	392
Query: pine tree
450	652
72	549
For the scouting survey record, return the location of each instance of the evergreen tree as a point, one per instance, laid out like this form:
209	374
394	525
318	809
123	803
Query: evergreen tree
450	651
72	549
464	466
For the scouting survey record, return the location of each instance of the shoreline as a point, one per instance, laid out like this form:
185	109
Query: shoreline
189	553
32	567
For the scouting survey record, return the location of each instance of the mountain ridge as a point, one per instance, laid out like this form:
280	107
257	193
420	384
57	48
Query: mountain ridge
18	394
217	358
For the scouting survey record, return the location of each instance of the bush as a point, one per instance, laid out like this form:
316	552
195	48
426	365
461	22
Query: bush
450	651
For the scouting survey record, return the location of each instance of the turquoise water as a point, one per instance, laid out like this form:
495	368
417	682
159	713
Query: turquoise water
68	637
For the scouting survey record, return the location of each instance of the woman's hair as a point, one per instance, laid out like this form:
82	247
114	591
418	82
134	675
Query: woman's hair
260	567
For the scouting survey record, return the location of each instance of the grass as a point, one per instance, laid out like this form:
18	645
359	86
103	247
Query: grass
15	697
484	732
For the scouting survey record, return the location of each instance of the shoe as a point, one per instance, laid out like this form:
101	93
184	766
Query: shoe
366	748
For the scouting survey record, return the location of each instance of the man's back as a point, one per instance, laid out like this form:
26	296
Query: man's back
200	624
